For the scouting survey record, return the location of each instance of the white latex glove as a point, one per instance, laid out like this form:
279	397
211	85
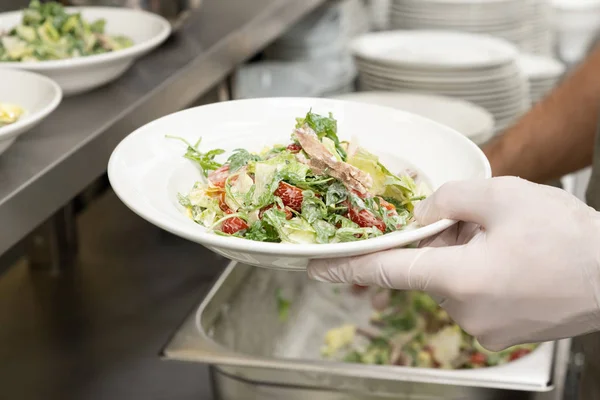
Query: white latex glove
525	269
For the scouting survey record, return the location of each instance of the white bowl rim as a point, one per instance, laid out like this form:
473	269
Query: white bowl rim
6	132
199	235
129	52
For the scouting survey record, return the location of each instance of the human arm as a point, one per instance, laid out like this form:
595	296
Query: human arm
531	273
556	137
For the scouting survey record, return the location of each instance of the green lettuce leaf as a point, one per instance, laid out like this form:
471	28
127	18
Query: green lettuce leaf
297	230
385	183
336	193
324	230
313	208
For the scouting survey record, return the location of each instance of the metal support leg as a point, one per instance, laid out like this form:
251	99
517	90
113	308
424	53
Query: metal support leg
225	89
52	247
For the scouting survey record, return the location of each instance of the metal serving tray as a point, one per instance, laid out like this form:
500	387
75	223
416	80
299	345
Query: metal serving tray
237	328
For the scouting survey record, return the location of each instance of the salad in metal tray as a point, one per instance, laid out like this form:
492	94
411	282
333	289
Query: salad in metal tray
48	32
410	329
316	189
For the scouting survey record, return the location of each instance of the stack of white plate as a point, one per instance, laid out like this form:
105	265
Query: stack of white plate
324	33
379	11
543	74
541	39
467	118
476	68
519	21
576	24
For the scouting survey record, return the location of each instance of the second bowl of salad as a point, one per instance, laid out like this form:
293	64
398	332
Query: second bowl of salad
276	182
81	48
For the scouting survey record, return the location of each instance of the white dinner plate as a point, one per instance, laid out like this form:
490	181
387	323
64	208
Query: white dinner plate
434	49
538	67
148	170
473	121
508	72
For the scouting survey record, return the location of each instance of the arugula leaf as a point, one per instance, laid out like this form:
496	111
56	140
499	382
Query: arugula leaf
325	231
283	306
395	202
240	158
262	232
336	193
317	184
323	127
313	208
206	161
393	221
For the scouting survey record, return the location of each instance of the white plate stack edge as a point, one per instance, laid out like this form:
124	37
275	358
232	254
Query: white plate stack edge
473	121
543	74
477	68
526	23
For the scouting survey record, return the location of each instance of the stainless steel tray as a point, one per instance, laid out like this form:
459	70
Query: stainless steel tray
237	328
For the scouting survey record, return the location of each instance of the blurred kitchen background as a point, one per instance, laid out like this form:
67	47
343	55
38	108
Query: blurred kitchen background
90	293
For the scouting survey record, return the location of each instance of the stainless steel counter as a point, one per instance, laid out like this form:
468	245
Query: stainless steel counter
48	166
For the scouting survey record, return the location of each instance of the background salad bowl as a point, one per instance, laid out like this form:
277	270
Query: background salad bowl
35	95
81	74
147	170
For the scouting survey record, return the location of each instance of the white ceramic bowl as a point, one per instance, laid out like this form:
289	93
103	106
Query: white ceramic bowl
78	75
147	170
36	94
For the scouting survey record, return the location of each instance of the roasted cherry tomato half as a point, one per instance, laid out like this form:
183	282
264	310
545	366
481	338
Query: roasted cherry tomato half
233	225
219	176
365	219
290	195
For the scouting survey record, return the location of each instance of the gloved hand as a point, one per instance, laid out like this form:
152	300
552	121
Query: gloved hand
524	268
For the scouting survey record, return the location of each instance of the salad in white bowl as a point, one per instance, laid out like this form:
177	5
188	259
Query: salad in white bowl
80	48
266	189
315	189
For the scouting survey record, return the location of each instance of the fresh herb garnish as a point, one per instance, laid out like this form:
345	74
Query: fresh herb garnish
206	161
